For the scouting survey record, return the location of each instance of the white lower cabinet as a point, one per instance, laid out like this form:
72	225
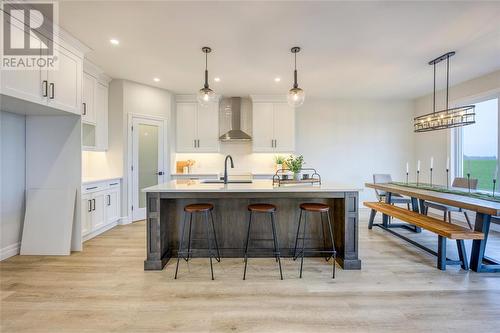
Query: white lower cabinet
100	207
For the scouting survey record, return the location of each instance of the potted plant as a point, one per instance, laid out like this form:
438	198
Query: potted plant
279	161
295	165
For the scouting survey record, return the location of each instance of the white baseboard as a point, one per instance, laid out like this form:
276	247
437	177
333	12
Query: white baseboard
10	251
99	231
124	220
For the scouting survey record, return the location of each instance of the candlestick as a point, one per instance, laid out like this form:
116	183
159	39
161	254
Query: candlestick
468	181
447	177
431	177
406	177
407	168
494	183
448	163
432	162
418	166
418	174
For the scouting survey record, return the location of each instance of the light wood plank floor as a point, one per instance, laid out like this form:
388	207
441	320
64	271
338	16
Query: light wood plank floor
104	289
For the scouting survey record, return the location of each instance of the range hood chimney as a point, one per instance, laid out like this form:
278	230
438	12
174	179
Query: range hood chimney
231	107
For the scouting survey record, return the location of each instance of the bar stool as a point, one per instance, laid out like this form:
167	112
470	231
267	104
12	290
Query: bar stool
205	209
320	208
271	210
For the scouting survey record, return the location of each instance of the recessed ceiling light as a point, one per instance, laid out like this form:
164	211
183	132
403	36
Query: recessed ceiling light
156	79
217	79
277	79
114	41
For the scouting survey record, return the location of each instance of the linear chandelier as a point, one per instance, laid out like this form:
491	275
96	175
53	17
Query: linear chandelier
449	117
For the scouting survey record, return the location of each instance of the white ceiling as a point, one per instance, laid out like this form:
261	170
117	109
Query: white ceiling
350	49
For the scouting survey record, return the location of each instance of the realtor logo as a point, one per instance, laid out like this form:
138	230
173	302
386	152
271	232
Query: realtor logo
29	35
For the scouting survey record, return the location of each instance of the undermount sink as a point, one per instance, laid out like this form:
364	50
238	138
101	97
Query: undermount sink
230	181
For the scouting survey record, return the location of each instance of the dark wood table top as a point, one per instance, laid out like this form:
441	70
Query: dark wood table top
456	200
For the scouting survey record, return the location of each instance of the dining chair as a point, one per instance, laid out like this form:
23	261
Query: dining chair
383	178
458	182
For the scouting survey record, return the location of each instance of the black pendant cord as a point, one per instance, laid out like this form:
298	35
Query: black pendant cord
434	92
295	84
206	70
447	79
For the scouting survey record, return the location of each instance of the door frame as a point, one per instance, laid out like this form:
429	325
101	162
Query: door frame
130	157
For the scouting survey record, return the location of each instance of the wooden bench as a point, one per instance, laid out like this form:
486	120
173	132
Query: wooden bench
444	230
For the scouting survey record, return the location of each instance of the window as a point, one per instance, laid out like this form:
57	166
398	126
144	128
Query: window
478	144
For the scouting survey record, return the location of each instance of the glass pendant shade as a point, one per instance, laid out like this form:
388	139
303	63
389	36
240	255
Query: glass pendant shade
206	96
296	97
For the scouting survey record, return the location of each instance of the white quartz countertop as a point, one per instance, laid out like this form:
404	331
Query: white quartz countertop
90	180
255	186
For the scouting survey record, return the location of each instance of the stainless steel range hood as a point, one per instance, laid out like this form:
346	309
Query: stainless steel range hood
231	108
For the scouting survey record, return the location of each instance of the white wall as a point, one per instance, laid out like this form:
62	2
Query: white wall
438	143
12	181
345	140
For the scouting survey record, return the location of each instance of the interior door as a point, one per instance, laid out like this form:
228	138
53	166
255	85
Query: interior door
147	165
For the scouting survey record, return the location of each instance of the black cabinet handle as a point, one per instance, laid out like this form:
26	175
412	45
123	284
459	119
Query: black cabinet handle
44	88
94	203
90	205
113	184
52	90
91	188
84	109
109	200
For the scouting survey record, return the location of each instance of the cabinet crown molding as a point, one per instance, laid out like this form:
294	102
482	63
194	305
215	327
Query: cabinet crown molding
96	71
268	98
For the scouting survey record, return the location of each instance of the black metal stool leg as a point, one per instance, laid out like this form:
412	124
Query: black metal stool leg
189	237
180	245
327	257
303	243
210	254
334	252
215	237
246	245
297	237
276	244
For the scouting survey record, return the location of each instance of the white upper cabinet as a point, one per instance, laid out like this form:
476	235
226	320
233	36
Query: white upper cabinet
65	83
94	108
273	127
197	128
88	92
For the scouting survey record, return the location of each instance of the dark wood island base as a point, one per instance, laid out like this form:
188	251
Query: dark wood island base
165	205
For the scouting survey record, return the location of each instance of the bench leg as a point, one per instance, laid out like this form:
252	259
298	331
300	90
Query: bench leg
373	212
441	253
462	254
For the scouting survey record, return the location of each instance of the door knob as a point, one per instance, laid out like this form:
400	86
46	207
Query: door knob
160	173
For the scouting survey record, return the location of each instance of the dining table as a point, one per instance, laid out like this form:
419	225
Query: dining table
484	208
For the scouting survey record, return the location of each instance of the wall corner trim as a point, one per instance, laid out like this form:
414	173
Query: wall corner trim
10	251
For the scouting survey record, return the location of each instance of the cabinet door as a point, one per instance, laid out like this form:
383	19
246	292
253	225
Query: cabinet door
88	92
101	113
208	128
263	127
29	85
112	205
65	83
98	212
86	214
186	127
284	127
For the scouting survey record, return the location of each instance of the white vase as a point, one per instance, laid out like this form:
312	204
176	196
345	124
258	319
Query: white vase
296	176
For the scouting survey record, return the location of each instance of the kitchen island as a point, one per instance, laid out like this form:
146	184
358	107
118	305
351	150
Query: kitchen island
165	203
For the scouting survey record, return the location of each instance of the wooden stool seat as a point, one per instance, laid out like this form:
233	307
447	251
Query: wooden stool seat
314	207
196	208
262	208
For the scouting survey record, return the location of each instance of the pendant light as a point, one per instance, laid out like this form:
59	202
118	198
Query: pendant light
449	117
296	96
206	95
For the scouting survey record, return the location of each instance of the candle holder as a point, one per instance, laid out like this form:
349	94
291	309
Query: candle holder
418	177
407	178
468	181
494	184
447	178
430	177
